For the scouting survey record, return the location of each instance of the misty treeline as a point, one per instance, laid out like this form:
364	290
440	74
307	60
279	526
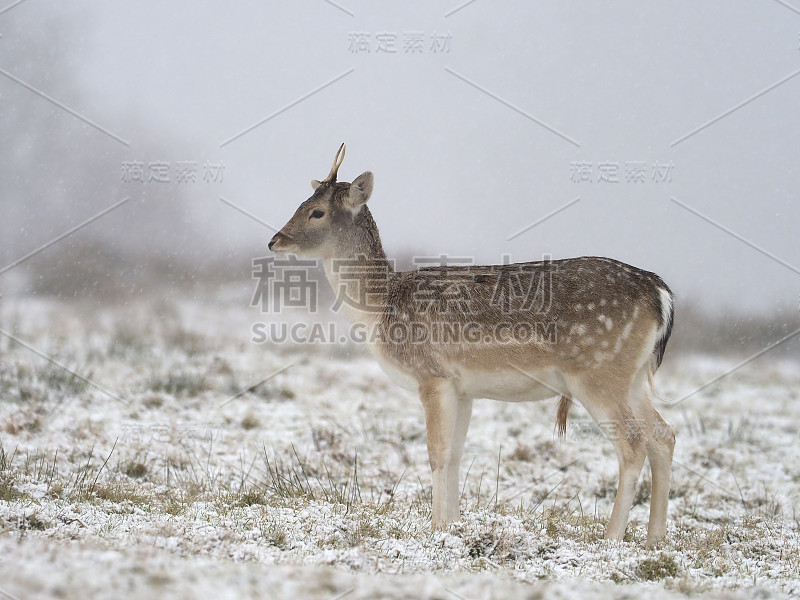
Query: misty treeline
58	171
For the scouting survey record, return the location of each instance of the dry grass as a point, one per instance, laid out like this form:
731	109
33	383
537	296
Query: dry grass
344	473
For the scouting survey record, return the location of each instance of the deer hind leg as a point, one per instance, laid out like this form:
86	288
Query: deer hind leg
630	444
446	422
611	410
660	446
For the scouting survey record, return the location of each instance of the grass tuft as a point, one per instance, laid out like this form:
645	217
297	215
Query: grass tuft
660	567
180	383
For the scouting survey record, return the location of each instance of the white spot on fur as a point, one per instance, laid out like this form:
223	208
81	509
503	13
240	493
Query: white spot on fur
579	329
601	356
606	321
626	331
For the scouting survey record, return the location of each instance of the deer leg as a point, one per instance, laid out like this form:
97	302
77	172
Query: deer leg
630	443
660	446
659	452
611	410
441	404
463	414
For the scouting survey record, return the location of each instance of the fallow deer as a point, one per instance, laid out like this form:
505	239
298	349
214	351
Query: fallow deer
590	329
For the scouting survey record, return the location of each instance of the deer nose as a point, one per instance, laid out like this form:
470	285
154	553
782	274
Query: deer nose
272	241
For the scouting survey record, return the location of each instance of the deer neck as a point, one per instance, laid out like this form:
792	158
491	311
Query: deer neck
359	271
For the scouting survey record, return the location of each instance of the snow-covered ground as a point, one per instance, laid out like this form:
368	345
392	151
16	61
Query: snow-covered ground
194	462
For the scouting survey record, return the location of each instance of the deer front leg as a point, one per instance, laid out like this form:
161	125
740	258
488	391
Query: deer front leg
463	415
446	421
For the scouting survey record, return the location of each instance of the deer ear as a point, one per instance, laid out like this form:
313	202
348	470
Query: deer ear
360	190
315	184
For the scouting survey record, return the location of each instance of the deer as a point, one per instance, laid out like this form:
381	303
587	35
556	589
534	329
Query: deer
589	329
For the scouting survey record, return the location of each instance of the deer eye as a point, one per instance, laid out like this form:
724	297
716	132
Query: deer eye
317	214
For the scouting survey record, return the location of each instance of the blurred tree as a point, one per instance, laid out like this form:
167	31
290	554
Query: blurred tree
58	170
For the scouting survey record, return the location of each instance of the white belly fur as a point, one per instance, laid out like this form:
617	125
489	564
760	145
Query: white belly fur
509	384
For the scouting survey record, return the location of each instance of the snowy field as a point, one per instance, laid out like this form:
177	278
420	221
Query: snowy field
195	463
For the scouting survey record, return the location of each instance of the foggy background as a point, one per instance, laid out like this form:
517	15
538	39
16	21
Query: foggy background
487	118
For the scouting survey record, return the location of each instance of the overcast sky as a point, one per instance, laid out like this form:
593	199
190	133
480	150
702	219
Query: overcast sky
664	134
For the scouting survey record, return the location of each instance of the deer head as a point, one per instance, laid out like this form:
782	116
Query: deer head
330	222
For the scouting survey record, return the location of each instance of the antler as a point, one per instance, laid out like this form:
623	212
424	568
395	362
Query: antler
337	162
